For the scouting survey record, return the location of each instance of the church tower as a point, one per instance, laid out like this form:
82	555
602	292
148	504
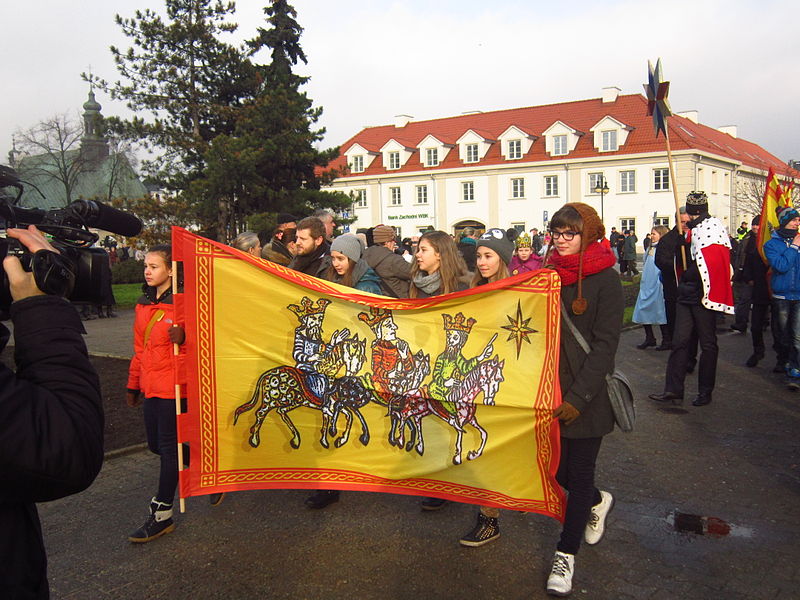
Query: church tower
94	145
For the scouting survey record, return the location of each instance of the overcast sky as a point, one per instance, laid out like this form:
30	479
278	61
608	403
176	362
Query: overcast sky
735	61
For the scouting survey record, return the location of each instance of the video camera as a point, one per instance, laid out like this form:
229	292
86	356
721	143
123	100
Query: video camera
76	272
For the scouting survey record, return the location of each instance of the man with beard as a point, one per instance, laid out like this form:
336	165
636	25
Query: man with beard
313	251
451	366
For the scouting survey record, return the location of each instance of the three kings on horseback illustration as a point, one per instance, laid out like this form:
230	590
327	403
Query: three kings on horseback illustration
327	376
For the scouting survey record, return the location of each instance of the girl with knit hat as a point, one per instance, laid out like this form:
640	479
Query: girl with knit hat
493	254
348	266
525	260
591	295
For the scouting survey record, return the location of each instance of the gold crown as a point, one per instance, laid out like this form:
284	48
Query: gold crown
524	241
375	317
307	308
458	323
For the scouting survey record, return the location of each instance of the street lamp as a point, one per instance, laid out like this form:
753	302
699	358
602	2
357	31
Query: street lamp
602	189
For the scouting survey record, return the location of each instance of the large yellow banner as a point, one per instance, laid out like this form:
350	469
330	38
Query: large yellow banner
295	382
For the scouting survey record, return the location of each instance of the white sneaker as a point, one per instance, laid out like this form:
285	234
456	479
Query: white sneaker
596	526
560	581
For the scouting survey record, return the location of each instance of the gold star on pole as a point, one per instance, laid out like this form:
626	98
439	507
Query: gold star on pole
519	328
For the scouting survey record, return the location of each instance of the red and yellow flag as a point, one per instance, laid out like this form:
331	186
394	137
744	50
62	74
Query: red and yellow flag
774	196
295	382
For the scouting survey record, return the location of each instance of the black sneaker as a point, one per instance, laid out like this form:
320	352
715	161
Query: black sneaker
151	529
486	530
433	503
322	498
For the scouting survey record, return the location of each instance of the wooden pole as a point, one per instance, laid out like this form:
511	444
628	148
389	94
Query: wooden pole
675	191
176	351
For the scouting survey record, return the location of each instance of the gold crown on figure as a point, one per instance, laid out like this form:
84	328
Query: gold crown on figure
375	317
524	241
458	323
307	307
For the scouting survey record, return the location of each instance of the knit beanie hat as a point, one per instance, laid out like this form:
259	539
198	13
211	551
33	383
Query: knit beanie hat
382	234
349	245
786	214
497	240
756	220
593	228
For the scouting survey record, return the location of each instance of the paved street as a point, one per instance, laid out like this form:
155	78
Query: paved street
736	460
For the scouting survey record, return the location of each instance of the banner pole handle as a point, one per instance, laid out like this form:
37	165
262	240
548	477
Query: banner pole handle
675	191
175	352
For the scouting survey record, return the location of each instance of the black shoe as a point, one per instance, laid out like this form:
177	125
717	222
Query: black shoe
667	397
754	358
322	498
157	524
690	366
216	499
664	346
433	503
646	344
486	530
701	400
739	328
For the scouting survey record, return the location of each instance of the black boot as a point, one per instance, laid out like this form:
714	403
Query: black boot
758	354
157	524
322	498
110	312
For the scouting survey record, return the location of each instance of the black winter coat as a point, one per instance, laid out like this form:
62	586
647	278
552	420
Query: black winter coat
51	433
583	376
667	249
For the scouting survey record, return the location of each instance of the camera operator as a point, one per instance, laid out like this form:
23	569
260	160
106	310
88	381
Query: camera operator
51	421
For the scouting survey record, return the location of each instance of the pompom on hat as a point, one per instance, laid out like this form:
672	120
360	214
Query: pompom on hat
349	245
497	240
786	214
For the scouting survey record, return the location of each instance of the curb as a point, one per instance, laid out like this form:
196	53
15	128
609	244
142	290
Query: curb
124	451
109	355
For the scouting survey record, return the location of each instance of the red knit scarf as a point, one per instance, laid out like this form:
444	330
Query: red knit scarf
595	258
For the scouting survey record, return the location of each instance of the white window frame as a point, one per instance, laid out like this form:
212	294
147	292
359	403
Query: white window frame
431	157
471	153
395	198
358	163
517	187
609	143
594	179
520	227
468	191
560	145
627	181
661	180
422	194
627	223
360	198
394	160
661	221
550	186
514	149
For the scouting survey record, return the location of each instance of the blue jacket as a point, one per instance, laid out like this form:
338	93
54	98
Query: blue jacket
785	262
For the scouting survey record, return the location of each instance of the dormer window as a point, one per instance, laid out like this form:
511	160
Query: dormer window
610	134
360	158
560	145
395	154
472	153
358	164
394	160
473	146
515	143
432	157
610	141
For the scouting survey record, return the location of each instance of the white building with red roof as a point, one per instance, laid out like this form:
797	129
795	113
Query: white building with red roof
514	168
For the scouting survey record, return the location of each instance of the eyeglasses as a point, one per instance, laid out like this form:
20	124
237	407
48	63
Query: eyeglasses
567	235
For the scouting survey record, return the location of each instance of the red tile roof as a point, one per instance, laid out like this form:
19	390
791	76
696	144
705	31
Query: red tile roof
581	115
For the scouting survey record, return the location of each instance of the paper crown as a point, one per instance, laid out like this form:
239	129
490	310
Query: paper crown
307	307
375	316
458	323
524	241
